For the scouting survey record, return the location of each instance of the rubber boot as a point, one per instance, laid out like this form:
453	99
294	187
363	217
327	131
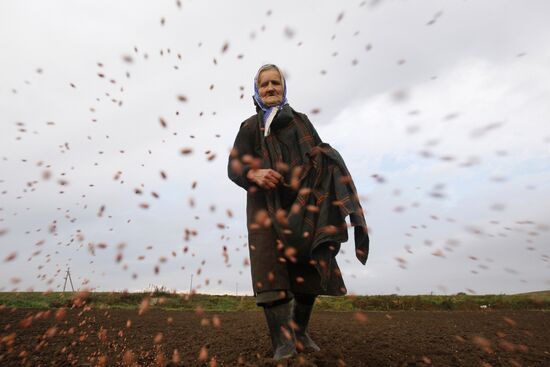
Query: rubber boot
282	336
301	315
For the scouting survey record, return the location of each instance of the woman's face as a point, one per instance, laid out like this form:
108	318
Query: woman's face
270	87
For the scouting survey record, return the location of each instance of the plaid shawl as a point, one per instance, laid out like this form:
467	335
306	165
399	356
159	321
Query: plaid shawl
315	226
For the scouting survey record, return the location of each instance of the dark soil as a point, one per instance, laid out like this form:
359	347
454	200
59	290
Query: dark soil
93	337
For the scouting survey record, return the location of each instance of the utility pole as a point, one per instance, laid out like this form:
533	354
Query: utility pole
191	285
237	289
68	276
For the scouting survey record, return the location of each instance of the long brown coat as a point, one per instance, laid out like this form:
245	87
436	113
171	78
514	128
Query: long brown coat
275	265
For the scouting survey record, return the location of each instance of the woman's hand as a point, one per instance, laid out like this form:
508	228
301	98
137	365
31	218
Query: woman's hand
266	178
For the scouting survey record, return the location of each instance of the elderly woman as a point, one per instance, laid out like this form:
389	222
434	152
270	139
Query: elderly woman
299	192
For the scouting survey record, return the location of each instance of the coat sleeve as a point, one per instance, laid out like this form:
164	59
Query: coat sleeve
243	146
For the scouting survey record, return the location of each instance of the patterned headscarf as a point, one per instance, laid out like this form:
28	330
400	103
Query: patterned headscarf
269	111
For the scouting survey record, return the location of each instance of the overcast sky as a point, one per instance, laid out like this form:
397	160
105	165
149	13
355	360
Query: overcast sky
441	111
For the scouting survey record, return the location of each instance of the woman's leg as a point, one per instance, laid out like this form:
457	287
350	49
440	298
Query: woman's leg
303	305
278	314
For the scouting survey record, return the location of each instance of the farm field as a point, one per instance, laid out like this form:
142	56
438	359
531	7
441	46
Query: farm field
147	335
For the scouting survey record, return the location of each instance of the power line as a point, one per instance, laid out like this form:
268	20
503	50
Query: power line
68	276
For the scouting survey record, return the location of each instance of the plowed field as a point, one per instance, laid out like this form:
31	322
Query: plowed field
112	337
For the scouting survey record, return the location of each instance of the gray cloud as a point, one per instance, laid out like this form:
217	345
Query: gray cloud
486	106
